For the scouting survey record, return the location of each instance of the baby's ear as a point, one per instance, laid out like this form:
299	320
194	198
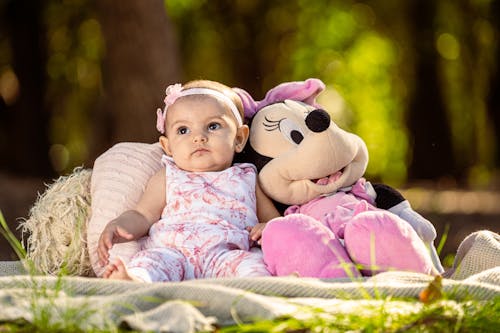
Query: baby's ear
241	138
165	145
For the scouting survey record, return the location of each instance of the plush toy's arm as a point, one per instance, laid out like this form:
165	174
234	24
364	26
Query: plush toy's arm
387	196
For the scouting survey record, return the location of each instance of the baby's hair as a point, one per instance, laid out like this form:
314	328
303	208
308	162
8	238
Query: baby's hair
222	88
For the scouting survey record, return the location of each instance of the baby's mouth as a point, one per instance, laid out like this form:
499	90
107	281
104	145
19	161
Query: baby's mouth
200	151
328	179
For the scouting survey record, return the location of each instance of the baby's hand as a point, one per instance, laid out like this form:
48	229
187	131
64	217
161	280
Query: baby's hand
111	234
256	232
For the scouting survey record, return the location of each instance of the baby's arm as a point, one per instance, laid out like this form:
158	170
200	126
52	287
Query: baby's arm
133	224
266	211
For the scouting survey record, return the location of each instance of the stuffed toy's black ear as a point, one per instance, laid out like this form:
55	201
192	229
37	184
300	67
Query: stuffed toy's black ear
387	196
249	155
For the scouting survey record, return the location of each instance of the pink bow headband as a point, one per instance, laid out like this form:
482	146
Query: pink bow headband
174	91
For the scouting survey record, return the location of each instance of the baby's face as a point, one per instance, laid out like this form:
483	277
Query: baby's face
201	134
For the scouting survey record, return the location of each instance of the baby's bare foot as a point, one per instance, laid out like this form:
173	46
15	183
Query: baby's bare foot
117	271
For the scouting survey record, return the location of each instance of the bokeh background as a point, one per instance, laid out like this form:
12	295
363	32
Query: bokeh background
418	80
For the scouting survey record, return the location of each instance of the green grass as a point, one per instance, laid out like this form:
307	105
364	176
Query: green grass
440	316
32	328
375	315
11	238
47	316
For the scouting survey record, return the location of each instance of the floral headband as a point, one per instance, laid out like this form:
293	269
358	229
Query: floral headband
175	91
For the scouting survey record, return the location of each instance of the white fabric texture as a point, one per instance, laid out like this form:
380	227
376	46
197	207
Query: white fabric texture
195	305
476	253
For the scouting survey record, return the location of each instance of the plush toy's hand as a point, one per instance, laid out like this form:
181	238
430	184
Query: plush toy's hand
336	224
343	215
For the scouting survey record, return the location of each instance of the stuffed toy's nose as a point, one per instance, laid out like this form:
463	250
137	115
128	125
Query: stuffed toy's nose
318	120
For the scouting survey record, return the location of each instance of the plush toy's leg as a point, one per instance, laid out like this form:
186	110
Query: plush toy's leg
381	241
299	244
390	199
422	226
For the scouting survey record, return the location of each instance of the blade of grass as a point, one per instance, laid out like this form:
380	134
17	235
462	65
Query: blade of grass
442	241
11	238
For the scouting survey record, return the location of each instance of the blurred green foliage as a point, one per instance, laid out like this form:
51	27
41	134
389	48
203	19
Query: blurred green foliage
359	49
361	64
334	41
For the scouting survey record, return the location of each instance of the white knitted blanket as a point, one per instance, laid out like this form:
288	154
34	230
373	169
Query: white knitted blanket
197	305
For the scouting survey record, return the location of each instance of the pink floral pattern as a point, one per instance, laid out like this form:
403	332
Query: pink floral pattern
202	232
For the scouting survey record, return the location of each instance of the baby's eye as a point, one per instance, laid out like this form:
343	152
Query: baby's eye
214	126
182	130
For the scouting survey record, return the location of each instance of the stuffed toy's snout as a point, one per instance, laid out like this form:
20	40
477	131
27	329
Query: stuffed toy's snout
309	154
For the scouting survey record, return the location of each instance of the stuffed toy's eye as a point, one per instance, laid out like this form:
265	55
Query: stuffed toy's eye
291	131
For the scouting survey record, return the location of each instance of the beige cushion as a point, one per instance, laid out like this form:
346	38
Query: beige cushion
119	178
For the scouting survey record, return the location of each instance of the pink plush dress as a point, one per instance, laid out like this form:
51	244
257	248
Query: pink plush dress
202	232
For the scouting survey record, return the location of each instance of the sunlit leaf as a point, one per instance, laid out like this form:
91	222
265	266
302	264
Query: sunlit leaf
433	292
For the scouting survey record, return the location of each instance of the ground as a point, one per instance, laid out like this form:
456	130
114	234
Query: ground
463	212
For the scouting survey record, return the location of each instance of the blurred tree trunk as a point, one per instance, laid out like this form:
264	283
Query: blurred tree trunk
243	28
494	89
432	155
141	60
27	117
242	60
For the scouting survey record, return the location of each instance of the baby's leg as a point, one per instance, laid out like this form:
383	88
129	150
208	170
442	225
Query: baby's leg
237	263
158	264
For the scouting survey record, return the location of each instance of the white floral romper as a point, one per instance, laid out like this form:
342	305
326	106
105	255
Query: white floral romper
202	231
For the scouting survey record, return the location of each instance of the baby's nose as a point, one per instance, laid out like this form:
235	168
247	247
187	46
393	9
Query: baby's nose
200	137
